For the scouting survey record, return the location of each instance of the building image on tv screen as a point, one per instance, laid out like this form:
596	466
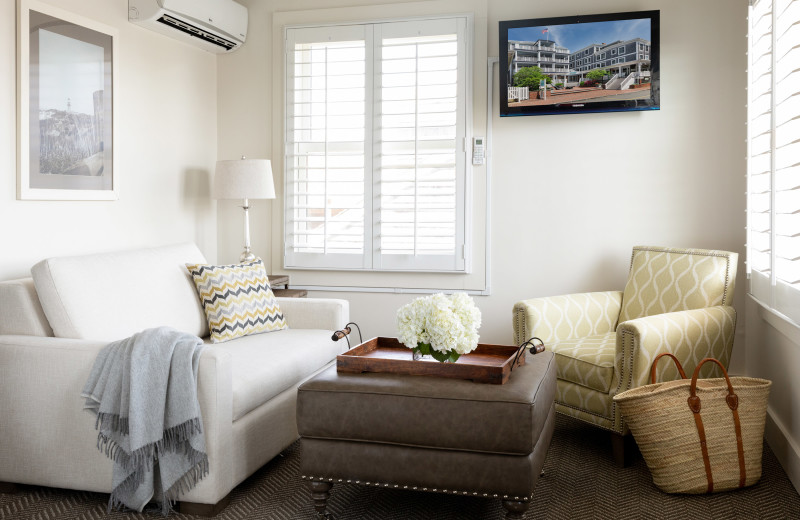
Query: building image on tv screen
578	64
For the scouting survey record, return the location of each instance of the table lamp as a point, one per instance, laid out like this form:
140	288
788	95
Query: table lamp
244	179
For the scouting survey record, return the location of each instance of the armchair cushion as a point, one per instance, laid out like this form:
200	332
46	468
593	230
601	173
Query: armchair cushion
587	361
668	280
558	318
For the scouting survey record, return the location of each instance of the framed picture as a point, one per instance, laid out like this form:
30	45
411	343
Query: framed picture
65	105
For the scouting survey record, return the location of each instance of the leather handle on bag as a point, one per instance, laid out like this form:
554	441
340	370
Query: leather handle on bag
733	403
655	361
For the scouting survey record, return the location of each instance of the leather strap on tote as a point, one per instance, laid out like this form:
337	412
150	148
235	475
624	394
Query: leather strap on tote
733	403
655	361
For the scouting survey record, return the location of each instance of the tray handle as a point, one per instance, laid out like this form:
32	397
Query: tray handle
346	330
530	345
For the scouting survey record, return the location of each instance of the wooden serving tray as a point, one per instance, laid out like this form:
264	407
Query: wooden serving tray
486	364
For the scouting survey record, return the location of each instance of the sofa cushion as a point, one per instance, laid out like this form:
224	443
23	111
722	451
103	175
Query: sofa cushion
20	310
264	365
111	296
237	299
587	361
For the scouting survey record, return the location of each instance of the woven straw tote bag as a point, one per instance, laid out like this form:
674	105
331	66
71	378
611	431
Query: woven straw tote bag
699	436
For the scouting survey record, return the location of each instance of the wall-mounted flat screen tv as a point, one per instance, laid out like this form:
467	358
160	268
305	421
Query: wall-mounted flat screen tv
573	64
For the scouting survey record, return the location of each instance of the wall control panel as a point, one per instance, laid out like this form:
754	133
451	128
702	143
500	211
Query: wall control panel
478	150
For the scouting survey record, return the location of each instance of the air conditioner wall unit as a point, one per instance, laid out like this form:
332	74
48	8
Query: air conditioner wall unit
217	26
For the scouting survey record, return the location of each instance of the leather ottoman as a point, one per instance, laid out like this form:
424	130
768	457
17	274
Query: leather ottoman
428	433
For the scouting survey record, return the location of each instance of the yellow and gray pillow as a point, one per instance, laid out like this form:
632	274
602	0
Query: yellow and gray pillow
237	299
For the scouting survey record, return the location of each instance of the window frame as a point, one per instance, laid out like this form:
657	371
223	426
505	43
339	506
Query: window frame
373	261
766	284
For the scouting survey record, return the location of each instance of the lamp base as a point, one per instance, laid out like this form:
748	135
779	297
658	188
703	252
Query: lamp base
247	256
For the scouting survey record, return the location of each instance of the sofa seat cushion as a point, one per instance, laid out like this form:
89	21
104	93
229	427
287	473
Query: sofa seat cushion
587	361
264	365
430	412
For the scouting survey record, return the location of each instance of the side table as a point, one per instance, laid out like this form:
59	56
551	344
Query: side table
282	280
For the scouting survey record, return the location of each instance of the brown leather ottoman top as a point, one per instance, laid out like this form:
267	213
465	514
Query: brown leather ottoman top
431	412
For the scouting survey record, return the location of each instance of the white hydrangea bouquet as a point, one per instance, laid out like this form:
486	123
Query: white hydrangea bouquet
444	327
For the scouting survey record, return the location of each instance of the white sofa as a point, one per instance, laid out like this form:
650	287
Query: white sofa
53	324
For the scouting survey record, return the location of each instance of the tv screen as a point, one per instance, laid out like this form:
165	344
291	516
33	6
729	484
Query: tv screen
573	64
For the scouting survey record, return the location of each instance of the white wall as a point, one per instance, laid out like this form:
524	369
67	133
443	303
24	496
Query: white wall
165	144
773	352
571	194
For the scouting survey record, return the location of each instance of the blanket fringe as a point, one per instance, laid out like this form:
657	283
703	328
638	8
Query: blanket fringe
188	481
140	462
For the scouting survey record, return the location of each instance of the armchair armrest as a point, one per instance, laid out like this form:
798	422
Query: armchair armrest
688	335
558	318
315	313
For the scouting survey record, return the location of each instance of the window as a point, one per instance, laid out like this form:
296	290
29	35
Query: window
375	135
773	176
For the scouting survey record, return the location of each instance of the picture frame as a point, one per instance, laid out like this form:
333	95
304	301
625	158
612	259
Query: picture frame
66	74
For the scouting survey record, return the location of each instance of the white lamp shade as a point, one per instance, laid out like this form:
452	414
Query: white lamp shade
244	179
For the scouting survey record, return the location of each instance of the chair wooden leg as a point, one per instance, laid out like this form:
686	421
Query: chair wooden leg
515	510
618	450
192	508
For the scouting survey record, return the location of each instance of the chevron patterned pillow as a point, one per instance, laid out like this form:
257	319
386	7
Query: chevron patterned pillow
237	299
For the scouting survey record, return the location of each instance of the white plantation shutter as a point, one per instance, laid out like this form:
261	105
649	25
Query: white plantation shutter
326	147
773	242
419	140
375	160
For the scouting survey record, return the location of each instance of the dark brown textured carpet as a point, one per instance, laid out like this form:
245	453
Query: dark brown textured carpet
580	481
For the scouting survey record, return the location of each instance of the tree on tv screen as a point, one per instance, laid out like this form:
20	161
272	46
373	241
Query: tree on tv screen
597	74
530	77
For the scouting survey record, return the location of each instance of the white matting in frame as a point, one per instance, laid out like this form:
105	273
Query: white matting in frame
66	68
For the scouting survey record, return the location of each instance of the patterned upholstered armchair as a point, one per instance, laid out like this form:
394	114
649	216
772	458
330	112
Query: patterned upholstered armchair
675	300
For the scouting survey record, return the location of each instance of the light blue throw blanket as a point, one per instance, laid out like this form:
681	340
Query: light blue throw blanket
143	390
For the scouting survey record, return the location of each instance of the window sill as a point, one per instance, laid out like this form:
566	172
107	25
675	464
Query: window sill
394	290
778	321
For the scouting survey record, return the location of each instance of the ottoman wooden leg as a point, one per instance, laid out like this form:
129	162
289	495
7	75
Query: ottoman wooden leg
320	495
515	509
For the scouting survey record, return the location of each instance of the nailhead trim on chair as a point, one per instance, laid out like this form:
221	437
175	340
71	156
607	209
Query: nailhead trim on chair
416	488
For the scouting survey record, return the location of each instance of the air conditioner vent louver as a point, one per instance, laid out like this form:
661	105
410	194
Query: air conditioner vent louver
196	32
218	26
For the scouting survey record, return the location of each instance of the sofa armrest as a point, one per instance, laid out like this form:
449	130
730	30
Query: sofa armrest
215	394
688	335
44	425
559	318
20	310
315	313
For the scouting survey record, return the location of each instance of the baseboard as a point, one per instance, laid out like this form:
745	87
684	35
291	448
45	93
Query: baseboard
783	446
